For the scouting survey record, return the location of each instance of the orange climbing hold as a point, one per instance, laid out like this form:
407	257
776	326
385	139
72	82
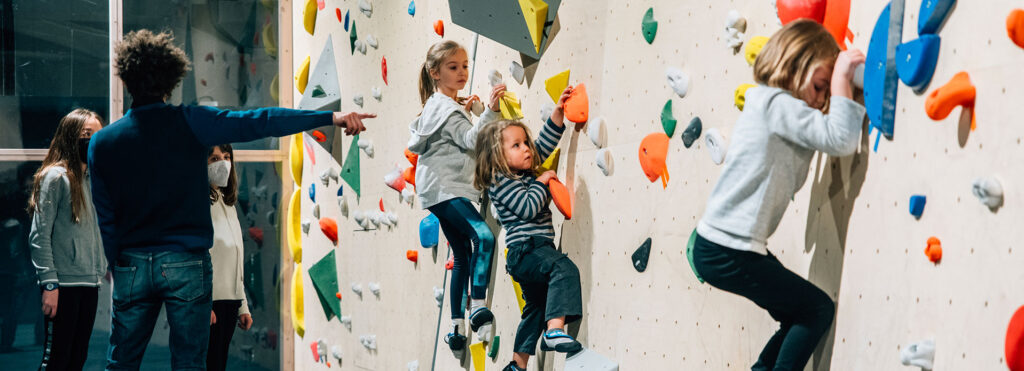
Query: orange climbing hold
382	204
1015	26
412	255
319	136
412	157
791	10
439	27
409	174
957	92
653	150
837	18
577	106
316	354
450	263
561	197
330	229
1015	341
934	250
337	295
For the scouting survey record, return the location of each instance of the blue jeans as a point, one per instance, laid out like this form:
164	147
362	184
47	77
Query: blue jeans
463	227
181	281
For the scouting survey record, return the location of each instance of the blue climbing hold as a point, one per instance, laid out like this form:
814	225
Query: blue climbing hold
916	60
429	231
346	20
412	8
312	192
917	205
932	14
879	91
340	189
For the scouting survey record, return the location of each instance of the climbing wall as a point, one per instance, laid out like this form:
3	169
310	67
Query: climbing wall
848	229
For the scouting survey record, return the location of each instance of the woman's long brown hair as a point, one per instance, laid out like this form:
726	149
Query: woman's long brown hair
64	153
229	191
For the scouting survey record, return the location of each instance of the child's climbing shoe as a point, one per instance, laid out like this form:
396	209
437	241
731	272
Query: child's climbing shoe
481	321
457	343
512	367
557	340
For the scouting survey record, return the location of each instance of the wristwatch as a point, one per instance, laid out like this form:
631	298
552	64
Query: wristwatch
50	286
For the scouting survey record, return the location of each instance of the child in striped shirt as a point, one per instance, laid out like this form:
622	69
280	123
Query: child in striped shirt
506	161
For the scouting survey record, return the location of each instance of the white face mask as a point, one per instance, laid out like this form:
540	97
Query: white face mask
219	172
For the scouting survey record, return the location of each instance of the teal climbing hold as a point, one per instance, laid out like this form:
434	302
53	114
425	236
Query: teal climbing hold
668	122
642	255
352	37
312	192
689	255
412	8
649	26
429	231
692	132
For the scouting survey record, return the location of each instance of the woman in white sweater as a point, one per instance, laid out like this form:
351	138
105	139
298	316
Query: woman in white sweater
229	304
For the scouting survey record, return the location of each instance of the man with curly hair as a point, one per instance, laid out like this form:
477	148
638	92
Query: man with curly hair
151	193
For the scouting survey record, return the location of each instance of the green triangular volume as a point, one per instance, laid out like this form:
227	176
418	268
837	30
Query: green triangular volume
324	275
350	169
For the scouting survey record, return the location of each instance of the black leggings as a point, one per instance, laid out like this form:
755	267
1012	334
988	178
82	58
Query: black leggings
221	333
67	335
804	311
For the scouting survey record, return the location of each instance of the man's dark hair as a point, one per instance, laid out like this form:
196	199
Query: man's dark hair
149	64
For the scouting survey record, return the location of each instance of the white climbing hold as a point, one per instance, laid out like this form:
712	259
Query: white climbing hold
597	132
494	77
333	174
385	220
735	21
325	177
413	365
477	107
371	41
358	99
375	93
374	288
375	217
408	195
394	179
677	80
392	218
321	349
305	226
346	321
920	354
358	289
366	145
438	296
366	8
545	110
604	161
989	191
336	352
316	211
516	70
361	47
343	205
369	341
715	142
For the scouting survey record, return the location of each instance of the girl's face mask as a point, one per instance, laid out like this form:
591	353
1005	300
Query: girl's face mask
219	172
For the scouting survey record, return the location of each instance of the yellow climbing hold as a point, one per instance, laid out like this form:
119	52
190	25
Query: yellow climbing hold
309	16
302	76
510	109
556	84
298	317
753	48
295	226
740	95
477	351
536	13
269	40
295	157
518	289
550	163
274	87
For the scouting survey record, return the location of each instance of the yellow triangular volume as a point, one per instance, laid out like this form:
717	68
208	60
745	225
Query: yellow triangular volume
550	163
556	84
536	13
510	109
477	352
518	290
298	315
302	76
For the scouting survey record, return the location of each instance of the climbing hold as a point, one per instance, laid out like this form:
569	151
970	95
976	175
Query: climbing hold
791	10
668	122
302	76
689	254
330	229
957	92
495	345
305	226
394	180
362	219
476	351
989	191
1015	26
880	81
916	59
367	146
412	366
917	205
642	255
550	163
933	250
516	70
337	295
358	289
321	4
494	77
692	131
920	354
312	192
536	13
374	288
309	151
649	26
439	27
545	111
677	80
316	211
337	13
336	352
603	159
753	49
269	39
384	69
366	8
275	87
1014	347
369	341
652	153
319	136
450	263
438	296
734	20
429	231
361	47
257	235
556	84
577	106
392	218
371	41
931	15
324	275
412	8
325	177
342	203
510	108
375	92
477	107
716	145
740	95
412	255
346	321
589	360
298	305
407	196
294	225
412	157
346	20
295	157
309	16
409	174
561	197
353	37
598	132
381	204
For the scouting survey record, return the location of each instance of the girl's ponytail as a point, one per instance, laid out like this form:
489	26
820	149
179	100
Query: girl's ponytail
426	84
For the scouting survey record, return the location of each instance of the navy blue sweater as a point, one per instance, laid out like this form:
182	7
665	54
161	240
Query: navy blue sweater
149	181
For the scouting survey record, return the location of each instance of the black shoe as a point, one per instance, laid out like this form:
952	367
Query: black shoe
457	343
481	323
512	367
557	340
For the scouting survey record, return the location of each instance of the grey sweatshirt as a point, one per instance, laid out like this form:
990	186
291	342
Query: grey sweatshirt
64	251
772	145
445	139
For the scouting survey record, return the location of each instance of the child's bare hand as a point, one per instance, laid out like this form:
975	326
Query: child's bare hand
558	114
547	176
469	102
496	93
846	63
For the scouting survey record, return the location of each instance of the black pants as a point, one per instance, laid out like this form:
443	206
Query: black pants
551	288
221	332
805	312
67	335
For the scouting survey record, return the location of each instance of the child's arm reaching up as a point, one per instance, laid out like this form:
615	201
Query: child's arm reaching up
462	132
552	131
524	199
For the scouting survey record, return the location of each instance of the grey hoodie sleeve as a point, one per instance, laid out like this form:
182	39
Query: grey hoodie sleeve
462	132
52	192
836	133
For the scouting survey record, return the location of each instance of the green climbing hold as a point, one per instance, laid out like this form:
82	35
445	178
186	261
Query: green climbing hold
494	347
667	121
352	38
649	26
692	132
318	92
350	169
689	255
324	275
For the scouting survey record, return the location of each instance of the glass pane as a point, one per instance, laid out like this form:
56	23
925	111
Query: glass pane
52	62
233	63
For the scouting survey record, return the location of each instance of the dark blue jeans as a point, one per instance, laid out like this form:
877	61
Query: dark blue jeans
180	281
551	288
464	227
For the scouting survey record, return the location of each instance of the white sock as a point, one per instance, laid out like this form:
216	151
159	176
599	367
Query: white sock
475	304
455	326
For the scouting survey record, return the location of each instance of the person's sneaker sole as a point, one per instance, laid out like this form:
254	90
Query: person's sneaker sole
572	347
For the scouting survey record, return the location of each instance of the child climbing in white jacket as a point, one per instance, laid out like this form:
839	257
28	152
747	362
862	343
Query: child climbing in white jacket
444	139
784	122
550	281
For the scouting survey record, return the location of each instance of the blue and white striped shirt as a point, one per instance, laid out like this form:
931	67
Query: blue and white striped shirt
522	203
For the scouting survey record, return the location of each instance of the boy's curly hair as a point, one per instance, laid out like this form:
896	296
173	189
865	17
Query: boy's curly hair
149	64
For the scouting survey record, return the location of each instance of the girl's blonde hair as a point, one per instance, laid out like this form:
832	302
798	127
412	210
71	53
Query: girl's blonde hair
789	58
435	55
490	156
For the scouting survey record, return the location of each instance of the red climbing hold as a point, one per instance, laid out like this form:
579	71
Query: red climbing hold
319	136
337	295
382	204
257	235
384	69
309	150
439	27
321	4
337	12
791	10
1015	26
450	263
1015	341
412	255
933	250
330	229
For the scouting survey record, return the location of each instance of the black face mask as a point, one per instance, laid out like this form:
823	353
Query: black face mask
83	149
